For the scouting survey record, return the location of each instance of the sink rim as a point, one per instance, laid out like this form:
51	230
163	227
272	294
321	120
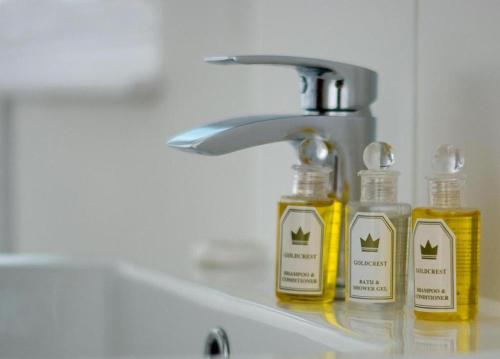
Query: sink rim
213	299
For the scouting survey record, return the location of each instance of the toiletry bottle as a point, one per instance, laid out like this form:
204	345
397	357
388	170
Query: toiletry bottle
376	234
446	245
308	238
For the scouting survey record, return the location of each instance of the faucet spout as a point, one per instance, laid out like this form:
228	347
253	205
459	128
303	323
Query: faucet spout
235	134
344	135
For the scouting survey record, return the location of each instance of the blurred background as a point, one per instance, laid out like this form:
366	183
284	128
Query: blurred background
91	89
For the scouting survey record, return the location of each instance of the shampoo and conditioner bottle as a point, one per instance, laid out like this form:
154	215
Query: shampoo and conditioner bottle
307	250
446	245
376	235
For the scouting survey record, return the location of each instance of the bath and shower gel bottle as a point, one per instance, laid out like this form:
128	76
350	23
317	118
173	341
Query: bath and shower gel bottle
308	238
376	236
446	245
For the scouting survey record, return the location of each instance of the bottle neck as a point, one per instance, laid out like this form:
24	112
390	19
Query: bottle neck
379	187
446	192
311	181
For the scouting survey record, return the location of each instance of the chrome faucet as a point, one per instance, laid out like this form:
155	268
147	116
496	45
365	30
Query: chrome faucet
334	128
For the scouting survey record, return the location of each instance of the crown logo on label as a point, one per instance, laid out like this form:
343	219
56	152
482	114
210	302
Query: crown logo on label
428	252
369	245
300	237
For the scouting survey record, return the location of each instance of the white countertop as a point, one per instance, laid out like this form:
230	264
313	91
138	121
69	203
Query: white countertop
397	332
69	307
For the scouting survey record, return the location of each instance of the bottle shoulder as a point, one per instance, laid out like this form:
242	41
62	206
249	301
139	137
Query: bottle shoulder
306	201
431	212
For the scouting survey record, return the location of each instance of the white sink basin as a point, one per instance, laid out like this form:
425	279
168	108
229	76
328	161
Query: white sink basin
65	307
57	307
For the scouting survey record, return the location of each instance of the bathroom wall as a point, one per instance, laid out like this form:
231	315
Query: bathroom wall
94	176
457	102
5	173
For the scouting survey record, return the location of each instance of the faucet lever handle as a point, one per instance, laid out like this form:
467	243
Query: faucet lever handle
327	85
298	62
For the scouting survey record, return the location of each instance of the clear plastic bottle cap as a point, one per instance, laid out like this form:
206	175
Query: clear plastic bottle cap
379	181
447	160
447	182
378	156
311	180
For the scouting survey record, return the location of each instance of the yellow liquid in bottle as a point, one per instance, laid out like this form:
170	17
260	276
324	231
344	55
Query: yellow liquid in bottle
465	224
330	212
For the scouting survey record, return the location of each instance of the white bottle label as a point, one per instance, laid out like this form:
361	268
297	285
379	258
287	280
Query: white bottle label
300	266
434	266
372	251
